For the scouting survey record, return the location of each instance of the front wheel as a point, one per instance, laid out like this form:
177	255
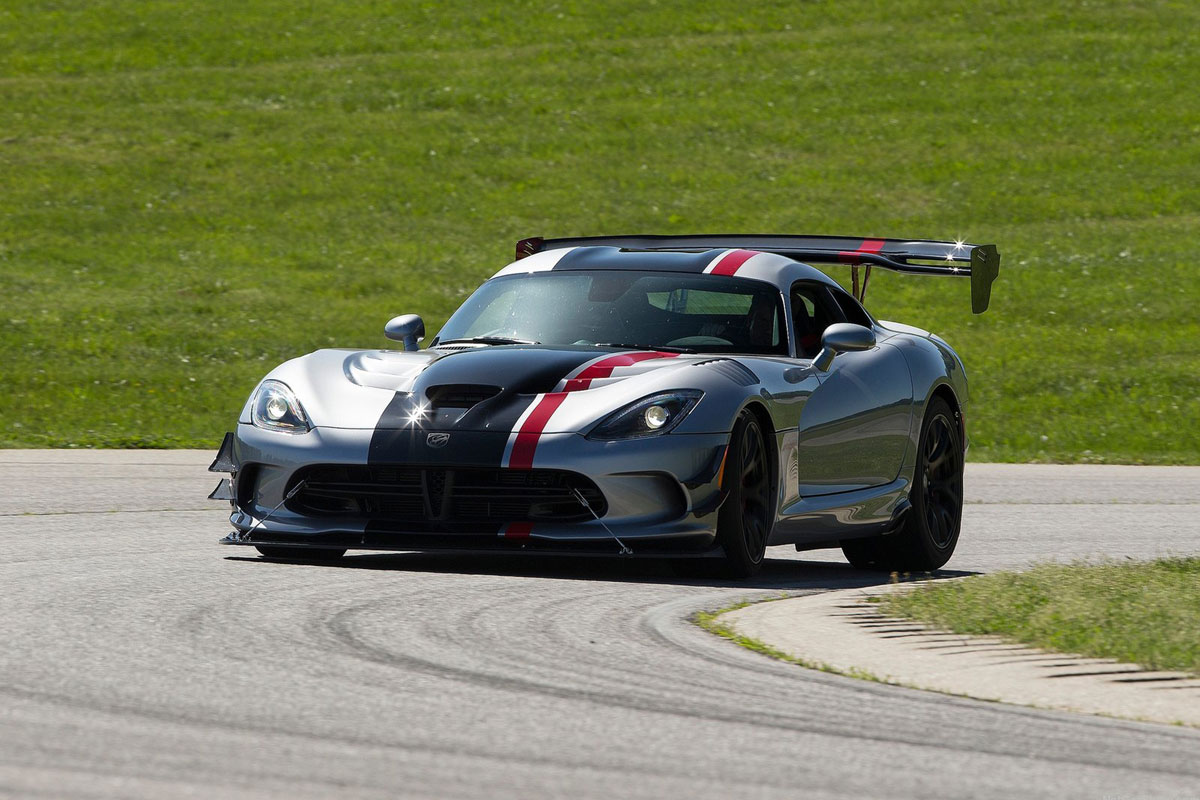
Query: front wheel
746	516
930	531
300	553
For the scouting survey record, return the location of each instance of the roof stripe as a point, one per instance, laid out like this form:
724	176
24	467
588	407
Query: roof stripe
729	262
538	262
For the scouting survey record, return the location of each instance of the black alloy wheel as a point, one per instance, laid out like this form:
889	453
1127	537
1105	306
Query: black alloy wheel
942	481
745	518
931	526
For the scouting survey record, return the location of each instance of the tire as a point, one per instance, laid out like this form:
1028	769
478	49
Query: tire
931	526
745	519
300	553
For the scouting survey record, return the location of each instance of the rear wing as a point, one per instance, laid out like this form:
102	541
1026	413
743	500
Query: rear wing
913	257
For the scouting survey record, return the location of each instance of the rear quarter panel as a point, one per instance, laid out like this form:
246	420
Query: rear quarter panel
933	363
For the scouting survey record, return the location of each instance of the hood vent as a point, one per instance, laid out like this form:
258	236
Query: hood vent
459	395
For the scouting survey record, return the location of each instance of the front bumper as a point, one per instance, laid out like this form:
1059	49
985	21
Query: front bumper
660	495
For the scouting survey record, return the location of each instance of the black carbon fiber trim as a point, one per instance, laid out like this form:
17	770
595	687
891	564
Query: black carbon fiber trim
696	545
224	461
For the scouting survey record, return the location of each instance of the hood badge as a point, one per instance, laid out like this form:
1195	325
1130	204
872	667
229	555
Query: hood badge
437	439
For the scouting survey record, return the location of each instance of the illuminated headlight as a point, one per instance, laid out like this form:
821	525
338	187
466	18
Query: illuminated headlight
650	416
277	409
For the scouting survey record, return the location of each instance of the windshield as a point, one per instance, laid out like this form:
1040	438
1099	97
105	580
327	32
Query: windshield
708	313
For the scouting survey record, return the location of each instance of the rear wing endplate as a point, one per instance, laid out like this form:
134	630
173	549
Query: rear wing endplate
982	261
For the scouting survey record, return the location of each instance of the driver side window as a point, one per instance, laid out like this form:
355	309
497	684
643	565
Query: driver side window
852	310
812	313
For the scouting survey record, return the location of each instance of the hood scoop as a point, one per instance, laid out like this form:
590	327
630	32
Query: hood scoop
459	395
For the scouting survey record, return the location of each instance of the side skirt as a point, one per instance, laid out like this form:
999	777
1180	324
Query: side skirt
824	520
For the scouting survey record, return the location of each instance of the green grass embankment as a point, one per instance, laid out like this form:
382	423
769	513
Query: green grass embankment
191	193
1142	613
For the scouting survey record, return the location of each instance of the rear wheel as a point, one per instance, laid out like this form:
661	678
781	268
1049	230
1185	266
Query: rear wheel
930	530
745	518
300	553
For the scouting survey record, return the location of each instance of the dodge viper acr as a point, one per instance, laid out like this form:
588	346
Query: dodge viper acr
697	397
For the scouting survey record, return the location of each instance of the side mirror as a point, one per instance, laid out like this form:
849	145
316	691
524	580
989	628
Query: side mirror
407	328
842	337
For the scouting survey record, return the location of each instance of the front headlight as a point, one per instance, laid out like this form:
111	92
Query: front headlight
650	416
277	409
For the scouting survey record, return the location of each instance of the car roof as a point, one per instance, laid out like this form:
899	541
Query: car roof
772	268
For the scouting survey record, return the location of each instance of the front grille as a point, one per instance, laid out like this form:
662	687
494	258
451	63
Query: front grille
420	495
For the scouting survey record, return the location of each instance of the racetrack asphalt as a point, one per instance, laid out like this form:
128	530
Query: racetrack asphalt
141	659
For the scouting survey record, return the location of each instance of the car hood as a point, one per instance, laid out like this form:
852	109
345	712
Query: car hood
473	389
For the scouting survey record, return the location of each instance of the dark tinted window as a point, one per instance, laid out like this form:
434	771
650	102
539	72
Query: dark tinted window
851	309
710	313
812	312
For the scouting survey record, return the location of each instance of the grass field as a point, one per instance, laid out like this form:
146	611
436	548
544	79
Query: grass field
1142	613
190	193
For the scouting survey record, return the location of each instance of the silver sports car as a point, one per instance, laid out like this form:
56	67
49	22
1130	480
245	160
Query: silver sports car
696	397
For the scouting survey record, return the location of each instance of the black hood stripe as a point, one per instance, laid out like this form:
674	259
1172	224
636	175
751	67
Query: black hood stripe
503	430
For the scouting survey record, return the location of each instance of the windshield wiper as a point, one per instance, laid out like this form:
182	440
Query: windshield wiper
665	348
487	340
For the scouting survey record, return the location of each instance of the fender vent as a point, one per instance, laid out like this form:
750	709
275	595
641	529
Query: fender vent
736	371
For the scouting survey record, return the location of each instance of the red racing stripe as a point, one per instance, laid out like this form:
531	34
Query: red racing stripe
526	442
531	430
517	530
868	246
605	366
732	261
